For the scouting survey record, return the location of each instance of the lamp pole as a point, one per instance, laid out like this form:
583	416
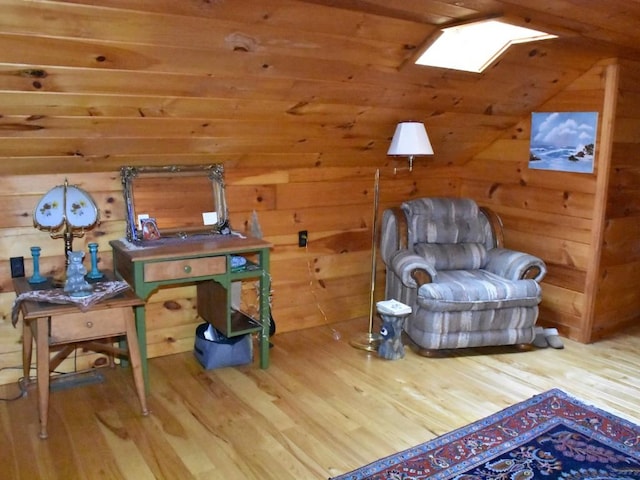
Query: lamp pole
370	341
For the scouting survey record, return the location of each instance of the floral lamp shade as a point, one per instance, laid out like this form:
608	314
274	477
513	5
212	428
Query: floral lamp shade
66	211
65	207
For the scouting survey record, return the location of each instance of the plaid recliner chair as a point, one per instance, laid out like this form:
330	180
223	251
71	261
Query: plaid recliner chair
444	258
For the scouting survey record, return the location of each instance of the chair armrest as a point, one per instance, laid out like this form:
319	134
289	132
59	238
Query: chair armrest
412	269
495	224
395	233
515	265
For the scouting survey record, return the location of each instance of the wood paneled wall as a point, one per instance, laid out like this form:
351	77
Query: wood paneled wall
300	123
299	102
617	297
326	282
547	213
583	225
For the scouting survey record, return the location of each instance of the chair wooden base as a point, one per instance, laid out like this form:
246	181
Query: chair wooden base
469	351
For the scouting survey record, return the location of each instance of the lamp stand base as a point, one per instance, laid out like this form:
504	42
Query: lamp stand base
59	281
366	341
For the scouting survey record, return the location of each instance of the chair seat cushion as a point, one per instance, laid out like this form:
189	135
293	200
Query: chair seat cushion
456	290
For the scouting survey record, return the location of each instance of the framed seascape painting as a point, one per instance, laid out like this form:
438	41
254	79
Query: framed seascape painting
563	141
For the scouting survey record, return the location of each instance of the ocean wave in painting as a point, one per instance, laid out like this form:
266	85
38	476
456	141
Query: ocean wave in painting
562	158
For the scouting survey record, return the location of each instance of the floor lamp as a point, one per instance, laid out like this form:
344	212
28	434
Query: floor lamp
369	341
410	139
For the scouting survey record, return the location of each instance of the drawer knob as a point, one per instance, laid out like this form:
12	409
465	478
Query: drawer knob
89	324
187	269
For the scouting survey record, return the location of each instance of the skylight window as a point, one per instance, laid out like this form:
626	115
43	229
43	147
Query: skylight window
474	46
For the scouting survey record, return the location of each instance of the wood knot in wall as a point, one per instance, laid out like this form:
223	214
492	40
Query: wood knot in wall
33	73
240	42
172	305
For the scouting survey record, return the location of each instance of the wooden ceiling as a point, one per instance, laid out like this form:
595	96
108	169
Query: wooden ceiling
612	24
308	82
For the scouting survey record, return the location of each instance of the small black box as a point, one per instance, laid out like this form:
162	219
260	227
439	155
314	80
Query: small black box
17	267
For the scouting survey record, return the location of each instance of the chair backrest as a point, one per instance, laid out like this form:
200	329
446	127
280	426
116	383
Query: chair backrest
451	230
444	220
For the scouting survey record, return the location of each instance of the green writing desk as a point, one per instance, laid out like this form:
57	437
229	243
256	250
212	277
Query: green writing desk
208	261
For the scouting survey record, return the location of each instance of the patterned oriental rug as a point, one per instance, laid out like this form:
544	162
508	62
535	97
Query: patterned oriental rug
549	436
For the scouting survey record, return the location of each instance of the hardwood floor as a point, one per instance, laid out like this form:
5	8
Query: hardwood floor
321	409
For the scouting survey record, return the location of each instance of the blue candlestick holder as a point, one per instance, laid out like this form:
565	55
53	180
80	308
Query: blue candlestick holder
36	277
94	274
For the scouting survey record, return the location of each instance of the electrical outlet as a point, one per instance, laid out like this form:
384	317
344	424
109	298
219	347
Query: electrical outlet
17	266
303	236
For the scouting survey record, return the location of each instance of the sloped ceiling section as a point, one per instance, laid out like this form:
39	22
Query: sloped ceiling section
306	76
523	79
613	23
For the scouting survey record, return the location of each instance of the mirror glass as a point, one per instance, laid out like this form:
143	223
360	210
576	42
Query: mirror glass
174	201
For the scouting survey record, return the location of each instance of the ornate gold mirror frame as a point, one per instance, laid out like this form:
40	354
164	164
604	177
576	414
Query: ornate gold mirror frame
175	201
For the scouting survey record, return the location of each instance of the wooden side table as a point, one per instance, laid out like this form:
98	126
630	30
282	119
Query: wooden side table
64	327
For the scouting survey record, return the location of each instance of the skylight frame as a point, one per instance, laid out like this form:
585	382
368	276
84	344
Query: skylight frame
453	48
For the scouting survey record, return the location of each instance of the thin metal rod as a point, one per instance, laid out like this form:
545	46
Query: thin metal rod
374	234
369	341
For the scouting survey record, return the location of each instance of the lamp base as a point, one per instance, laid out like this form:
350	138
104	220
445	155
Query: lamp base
366	341
58	281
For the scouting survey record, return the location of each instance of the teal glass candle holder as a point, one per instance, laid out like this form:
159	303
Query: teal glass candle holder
94	273
36	277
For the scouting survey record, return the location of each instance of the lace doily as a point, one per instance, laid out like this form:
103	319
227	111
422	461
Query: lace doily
101	291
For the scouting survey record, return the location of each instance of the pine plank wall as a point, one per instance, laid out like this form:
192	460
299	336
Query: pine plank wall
300	104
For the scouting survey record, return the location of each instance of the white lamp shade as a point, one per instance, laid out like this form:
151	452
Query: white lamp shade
410	138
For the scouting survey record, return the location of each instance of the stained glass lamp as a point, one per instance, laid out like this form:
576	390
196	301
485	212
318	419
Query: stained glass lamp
66	211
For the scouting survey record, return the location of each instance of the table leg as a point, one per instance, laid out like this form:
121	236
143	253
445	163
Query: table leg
42	372
141	330
136	363
27	349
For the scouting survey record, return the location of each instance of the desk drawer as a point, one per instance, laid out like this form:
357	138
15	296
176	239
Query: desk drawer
80	326
185	268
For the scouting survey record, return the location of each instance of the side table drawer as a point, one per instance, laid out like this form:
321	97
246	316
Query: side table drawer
184	268
81	326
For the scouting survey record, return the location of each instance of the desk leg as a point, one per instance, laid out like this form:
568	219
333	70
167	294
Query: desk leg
265	315
42	372
141	329
136	364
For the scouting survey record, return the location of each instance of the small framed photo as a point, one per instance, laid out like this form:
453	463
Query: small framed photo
149	229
